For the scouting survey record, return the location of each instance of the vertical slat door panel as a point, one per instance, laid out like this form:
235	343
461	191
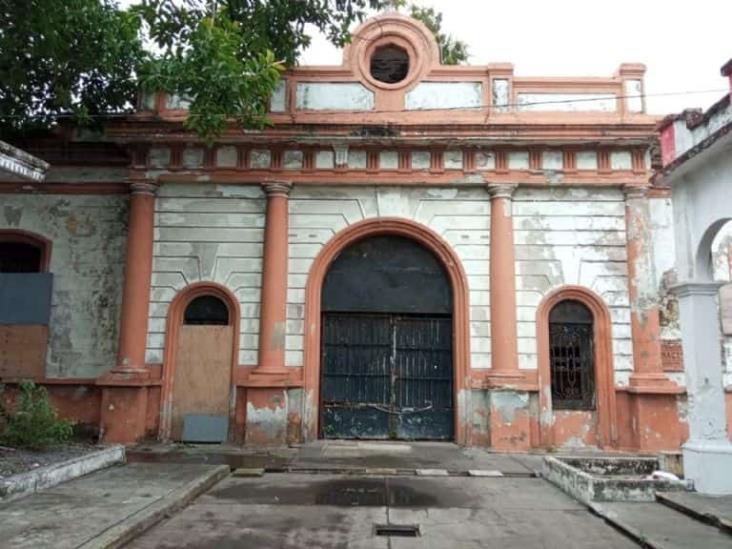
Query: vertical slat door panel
356	371
424	378
386	376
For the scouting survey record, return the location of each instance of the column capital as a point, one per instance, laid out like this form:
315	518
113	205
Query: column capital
501	190
143	187
691	287
277	187
632	192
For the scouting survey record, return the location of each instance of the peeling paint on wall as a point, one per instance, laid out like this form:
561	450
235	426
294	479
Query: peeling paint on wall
89	235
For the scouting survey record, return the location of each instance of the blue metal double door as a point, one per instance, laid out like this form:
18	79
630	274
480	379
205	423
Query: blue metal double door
387	376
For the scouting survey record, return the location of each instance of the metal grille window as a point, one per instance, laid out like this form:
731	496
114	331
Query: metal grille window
207	309
571	357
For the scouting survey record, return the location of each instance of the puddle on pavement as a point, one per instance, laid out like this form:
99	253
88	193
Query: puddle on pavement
347	492
370	493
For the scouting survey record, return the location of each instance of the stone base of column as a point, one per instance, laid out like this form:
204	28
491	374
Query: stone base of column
123	414
653	383
655	422
266	416
506	380
509	421
271	374
708	464
124	376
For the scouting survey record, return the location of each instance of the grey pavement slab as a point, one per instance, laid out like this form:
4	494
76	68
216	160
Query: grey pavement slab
713	509
497	527
341	511
415	492
661	527
88	509
344	455
404	455
203	525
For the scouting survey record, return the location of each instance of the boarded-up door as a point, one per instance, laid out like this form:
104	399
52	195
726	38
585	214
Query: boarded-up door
202	379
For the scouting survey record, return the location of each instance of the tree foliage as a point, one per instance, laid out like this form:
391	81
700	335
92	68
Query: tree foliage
65	56
89	58
226	56
452	50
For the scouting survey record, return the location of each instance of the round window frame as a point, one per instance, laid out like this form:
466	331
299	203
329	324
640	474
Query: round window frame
416	61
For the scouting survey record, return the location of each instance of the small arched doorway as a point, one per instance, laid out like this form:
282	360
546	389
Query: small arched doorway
201	376
386	343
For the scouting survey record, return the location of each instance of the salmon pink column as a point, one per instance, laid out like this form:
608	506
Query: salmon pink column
504	342
645	323
138	272
652	396
510	422
273	311
124	393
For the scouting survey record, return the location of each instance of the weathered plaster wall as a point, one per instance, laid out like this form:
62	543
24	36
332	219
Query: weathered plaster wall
89	235
571	236
206	232
460	216
664	267
701	201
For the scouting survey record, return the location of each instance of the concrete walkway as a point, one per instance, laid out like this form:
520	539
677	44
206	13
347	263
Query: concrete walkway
714	510
659	527
103	509
295	511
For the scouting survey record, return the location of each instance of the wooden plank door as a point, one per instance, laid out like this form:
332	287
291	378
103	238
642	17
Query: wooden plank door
202	379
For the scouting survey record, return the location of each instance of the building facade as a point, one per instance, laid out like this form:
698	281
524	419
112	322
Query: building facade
697	165
412	250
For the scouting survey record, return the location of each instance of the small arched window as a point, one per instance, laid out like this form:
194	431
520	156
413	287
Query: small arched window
207	310
20	257
571	356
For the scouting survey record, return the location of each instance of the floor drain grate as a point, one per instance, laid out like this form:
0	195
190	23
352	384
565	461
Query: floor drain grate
397	530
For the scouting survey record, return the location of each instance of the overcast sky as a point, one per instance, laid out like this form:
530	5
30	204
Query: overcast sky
683	43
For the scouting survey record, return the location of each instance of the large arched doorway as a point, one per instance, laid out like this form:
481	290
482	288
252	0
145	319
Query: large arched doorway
387	343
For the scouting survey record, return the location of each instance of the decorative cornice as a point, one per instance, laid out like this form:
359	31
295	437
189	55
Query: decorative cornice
277	188
501	190
143	187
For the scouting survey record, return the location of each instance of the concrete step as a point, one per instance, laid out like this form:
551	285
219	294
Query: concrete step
713	510
105	509
659	527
